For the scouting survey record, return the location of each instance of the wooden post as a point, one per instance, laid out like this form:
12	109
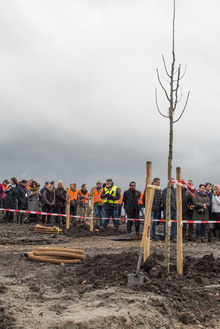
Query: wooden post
92	210
147	217
179	220
68	208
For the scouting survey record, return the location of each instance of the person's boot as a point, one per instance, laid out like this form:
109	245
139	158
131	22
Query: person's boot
129	230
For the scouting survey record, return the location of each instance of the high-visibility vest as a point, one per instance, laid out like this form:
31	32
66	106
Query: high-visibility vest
140	200
4	188
120	201
83	195
73	195
97	195
112	191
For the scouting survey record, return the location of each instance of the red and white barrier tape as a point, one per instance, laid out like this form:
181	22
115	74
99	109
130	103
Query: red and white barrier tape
123	218
183	183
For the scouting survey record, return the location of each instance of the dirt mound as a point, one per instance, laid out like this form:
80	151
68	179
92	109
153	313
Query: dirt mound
24	234
78	230
184	297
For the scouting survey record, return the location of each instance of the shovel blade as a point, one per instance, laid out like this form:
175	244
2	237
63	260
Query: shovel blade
135	280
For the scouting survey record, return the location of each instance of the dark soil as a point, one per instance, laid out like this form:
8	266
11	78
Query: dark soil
79	230
187	298
24	234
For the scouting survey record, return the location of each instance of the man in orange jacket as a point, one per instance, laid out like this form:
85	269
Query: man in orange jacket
98	202
73	196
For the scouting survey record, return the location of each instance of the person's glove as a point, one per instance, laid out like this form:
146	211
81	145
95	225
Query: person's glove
110	197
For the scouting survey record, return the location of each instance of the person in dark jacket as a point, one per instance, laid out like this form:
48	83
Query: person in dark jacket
111	195
11	198
156	208
48	202
172	211
33	201
190	206
200	212
1	195
210	226
22	200
60	195
46	184
185	210
130	199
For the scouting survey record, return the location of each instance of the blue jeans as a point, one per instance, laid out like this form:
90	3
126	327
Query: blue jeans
142	211
173	225
153	229
201	229
113	213
99	213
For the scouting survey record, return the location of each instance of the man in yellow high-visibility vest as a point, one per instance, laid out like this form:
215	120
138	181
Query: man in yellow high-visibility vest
111	195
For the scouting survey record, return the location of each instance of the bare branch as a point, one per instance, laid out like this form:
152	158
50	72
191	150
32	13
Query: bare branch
176	89
180	96
165	67
183	108
162	86
184	72
165	116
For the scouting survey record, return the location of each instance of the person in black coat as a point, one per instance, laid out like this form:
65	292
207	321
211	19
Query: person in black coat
22	200
11	198
60	195
130	199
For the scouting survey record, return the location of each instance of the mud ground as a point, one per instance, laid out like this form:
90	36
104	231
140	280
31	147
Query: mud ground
94	294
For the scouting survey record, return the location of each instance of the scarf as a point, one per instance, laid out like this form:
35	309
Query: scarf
34	189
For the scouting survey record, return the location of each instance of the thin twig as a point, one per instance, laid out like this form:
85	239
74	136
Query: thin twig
183	108
162	86
165	116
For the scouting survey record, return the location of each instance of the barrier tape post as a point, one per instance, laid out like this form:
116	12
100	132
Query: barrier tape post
92	210
68	208
179	221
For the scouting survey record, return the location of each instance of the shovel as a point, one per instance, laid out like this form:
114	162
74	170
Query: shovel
137	279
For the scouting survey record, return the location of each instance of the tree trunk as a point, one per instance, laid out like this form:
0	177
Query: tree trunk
168	200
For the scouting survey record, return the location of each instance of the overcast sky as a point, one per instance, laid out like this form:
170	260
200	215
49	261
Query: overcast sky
77	90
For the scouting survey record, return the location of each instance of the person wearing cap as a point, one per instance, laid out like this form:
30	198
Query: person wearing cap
110	195
46	184
98	202
22	200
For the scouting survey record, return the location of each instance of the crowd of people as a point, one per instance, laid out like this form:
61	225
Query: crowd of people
202	204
